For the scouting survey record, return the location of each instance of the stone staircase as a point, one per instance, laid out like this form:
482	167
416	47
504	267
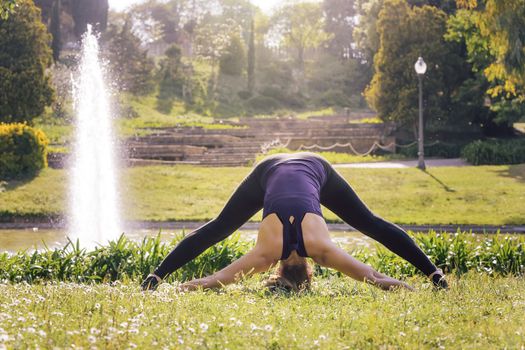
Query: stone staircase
240	145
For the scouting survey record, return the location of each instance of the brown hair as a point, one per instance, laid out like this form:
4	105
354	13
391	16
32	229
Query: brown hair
291	277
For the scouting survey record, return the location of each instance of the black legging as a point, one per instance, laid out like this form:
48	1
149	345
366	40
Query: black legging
336	195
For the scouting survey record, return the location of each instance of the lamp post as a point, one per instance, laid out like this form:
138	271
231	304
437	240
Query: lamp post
421	68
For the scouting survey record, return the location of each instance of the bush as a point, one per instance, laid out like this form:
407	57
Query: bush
442	150
23	151
263	104
495	152
283	97
459	253
233	61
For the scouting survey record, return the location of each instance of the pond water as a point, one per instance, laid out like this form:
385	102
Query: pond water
22	239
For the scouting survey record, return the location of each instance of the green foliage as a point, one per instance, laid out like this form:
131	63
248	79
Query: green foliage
125	259
233	60
261	103
495	152
23	151
24	56
339	21
172	80
55	30
119	260
131	67
6	7
439	149
251	59
493	80
405	34
303	28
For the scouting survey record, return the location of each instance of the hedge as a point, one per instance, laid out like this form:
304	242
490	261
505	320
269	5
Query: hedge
495	152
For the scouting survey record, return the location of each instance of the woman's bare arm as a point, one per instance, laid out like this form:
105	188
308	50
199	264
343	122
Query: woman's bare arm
252	262
334	257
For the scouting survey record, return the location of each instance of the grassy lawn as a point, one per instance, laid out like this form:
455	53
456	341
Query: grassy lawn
336	314
466	195
337	157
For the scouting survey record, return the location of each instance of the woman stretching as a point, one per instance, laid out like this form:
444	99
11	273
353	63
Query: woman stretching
291	188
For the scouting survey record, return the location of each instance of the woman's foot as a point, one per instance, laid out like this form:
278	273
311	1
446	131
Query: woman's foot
151	282
438	279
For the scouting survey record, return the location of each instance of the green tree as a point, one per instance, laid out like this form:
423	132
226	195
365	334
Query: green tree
502	25
132	68
499	80
233	60
6	7
302	27
56	44
405	34
339	21
86	12
24	56
172	79
251	59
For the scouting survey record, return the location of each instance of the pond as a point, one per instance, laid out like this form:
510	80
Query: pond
22	239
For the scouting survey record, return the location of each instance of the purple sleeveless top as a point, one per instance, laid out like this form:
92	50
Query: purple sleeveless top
292	189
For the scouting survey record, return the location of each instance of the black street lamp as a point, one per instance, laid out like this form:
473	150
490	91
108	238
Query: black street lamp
421	68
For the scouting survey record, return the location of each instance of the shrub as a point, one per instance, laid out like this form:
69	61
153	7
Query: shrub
23	151
495	152
459	253
263	104
233	61
283	97
442	150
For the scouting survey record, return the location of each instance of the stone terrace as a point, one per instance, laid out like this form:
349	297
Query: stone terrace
241	144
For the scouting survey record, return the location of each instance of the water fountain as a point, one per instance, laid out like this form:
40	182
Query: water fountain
94	209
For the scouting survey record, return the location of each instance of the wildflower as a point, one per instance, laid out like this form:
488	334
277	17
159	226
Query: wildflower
402	334
94	331
254	327
268	328
322	337
42	333
92	339
204	327
192	330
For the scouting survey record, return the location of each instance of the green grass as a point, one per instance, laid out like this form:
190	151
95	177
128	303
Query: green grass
479	312
464	195
149	117
337	157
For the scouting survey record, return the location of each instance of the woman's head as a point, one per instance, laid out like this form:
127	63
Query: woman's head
292	274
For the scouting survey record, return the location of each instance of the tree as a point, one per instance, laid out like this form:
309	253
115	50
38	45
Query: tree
339	21
251	59
233	60
405	34
487	45
131	66
302	27
172	79
86	12
24	56
56	44
6	7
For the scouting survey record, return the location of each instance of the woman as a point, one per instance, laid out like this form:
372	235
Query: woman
291	187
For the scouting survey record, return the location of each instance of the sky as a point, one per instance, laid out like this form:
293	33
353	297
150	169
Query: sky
265	5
